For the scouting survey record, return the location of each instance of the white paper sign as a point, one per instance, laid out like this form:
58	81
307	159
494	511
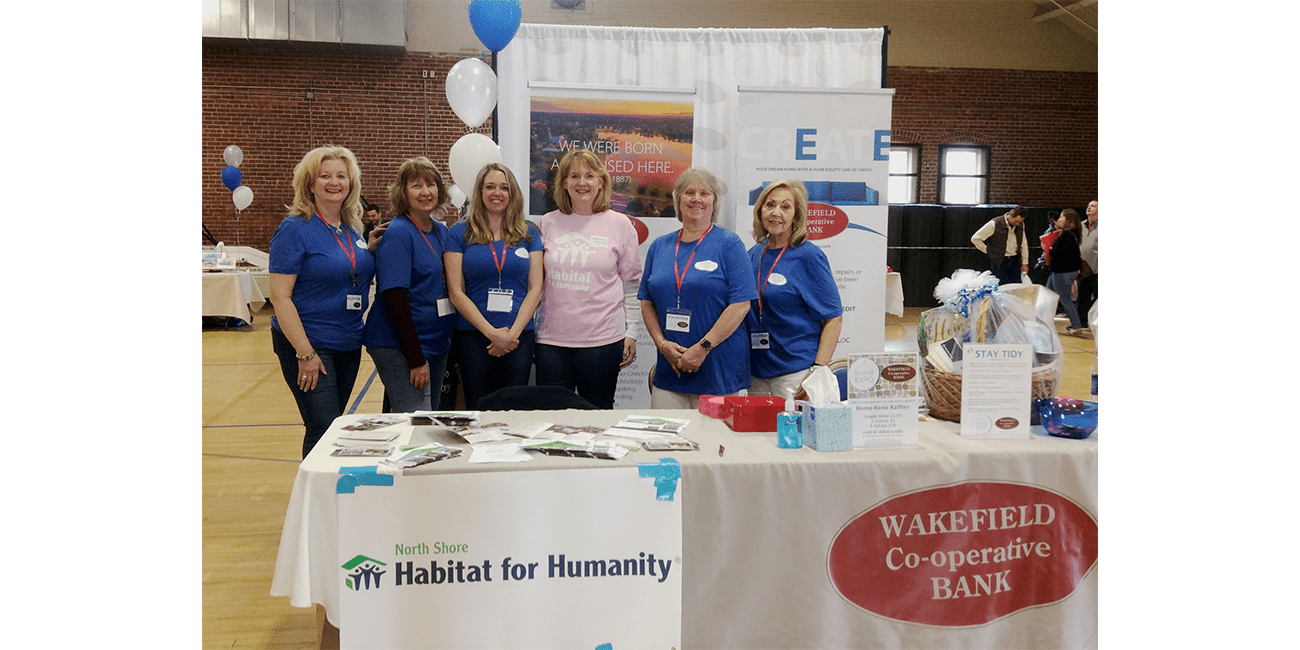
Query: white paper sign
884	391
996	383
543	559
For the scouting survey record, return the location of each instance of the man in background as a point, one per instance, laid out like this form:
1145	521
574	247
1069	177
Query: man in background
1003	240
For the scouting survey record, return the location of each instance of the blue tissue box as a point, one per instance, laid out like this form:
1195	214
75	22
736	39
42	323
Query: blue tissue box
827	427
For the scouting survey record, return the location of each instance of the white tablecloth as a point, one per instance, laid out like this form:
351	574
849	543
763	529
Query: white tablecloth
757	525
231	293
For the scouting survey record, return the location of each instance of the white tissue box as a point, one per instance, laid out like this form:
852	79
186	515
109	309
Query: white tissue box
827	427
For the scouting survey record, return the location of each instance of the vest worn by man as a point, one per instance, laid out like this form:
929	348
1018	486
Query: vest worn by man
996	245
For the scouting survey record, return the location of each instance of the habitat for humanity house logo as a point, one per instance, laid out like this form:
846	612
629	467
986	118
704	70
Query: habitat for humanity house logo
362	570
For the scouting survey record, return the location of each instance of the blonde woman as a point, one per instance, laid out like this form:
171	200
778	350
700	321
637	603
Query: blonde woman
694	293
320	273
587	326
494	276
795	322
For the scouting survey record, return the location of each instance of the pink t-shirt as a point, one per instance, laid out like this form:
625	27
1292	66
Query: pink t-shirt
587	259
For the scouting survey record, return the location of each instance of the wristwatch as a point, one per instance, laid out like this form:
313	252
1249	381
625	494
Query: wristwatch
704	343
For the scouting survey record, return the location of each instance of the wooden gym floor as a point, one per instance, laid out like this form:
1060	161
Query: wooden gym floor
252	443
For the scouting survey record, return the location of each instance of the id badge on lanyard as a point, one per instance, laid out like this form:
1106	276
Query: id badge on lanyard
500	299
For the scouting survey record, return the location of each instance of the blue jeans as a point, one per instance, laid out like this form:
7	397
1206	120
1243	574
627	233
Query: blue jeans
1008	272
1060	283
482	373
395	372
329	399
591	372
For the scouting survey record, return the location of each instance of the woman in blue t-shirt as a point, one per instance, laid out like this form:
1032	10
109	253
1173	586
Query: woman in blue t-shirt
494	277
409	333
320	273
795	322
695	292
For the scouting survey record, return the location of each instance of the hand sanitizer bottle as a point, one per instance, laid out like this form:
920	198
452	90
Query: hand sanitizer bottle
789	435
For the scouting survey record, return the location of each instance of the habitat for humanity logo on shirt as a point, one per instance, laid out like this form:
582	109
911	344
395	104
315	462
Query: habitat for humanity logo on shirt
572	250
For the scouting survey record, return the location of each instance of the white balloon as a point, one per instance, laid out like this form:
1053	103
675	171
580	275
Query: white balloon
456	196
242	196
470	153
472	91
233	155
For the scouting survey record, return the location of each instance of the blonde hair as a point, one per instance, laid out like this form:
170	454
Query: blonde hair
798	226
696	176
304	175
411	169
514	228
592	162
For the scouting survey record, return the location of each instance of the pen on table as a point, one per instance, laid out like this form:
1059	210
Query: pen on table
721	449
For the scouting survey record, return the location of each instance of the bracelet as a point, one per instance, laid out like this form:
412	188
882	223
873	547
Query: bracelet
306	358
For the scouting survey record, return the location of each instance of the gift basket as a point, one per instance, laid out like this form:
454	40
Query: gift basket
975	309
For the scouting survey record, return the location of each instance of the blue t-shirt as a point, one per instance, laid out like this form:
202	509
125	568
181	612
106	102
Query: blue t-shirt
321	257
718	276
798	295
479	268
409	258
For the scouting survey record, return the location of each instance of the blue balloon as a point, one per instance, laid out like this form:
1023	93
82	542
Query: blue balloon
495	21
231	177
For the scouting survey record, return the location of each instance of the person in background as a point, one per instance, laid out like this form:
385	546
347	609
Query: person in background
1003	240
320	273
795	322
1088	272
372	218
1063	262
408	335
494	276
695	292
589	317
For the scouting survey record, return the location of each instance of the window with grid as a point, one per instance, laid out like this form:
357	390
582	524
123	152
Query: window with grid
904	173
963	174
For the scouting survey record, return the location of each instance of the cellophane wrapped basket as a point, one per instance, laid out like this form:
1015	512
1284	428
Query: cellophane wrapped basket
975	309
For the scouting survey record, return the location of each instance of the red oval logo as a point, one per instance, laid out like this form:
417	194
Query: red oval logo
964	554
825	220
642	232
1007	423
898	372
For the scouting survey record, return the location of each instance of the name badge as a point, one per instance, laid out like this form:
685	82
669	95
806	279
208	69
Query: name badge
678	320
445	308
500	299
760	341
354	302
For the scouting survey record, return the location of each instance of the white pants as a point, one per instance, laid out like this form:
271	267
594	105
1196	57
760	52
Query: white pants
780	386
667	399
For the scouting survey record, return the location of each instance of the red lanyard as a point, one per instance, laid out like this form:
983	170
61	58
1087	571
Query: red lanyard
762	281
349	250
430	245
677	272
501	263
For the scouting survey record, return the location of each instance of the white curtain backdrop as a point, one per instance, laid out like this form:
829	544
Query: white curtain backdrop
712	61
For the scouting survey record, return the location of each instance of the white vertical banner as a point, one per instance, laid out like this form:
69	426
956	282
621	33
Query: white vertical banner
836	141
540	559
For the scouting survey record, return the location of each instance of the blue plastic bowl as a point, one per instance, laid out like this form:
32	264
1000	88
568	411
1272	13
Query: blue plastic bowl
1064	417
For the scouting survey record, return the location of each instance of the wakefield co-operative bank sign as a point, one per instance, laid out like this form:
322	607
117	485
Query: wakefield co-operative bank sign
965	554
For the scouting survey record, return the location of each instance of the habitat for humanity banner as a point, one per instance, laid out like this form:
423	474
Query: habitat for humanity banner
836	141
643	135
539	559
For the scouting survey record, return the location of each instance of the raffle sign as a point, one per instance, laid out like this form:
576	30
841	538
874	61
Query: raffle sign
836	141
545	559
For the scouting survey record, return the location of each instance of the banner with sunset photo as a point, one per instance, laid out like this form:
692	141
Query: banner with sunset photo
643	135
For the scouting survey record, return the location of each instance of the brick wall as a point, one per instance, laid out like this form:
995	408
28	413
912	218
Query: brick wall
1042	126
378	103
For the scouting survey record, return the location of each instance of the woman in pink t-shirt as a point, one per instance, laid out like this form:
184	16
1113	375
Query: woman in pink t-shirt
589	318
